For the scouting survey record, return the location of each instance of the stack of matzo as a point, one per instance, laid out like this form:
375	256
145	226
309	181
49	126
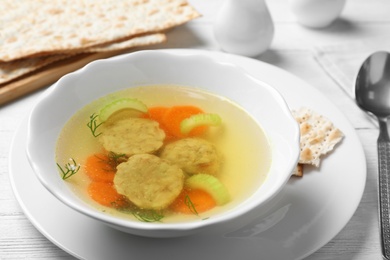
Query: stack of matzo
34	34
318	137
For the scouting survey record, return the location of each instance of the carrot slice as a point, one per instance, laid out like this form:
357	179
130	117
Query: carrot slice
176	114
193	201
157	114
99	168
105	194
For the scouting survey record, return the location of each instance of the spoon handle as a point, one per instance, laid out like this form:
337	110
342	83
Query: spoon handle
384	187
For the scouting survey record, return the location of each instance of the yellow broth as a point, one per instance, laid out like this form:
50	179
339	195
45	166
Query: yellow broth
246	155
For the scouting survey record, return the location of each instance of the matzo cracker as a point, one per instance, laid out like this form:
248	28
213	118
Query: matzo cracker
318	136
14	69
33	28
298	171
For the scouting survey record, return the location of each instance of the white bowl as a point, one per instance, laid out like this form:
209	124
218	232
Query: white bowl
99	78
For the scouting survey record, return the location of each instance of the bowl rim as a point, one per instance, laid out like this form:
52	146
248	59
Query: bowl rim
240	209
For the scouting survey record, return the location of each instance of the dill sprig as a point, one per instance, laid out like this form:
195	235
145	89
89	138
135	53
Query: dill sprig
148	215
116	158
69	169
190	205
142	214
113	159
93	125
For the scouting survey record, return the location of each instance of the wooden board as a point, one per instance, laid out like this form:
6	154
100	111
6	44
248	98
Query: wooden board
47	75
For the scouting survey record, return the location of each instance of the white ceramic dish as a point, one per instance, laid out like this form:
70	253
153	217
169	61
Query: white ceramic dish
308	214
100	78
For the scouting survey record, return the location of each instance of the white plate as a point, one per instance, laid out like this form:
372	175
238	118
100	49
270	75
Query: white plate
309	213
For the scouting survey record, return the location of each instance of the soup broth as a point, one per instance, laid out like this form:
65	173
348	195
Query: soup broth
240	141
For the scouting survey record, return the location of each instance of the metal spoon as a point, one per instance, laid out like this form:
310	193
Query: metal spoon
372	92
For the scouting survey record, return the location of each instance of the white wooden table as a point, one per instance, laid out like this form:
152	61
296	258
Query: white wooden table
292	49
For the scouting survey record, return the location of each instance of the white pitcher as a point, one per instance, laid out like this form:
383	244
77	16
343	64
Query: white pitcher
244	27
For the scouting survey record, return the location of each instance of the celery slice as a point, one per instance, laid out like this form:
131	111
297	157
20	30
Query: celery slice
119	104
211	185
198	120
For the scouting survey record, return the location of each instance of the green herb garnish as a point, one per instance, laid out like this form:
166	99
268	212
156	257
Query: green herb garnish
143	215
148	215
113	159
69	169
116	158
190	205
93	125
